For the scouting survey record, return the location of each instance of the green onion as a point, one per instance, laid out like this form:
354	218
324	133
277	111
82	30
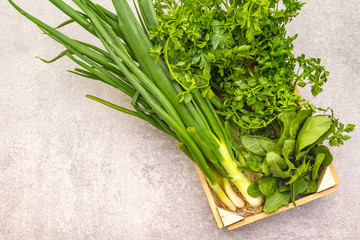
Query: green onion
127	64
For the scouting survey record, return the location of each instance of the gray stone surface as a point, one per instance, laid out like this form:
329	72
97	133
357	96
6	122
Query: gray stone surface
73	169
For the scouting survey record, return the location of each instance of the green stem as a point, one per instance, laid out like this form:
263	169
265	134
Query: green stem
116	107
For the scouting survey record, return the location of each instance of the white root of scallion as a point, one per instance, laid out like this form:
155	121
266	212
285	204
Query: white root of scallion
236	199
237	177
223	197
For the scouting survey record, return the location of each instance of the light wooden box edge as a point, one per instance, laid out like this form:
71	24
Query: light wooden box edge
253	218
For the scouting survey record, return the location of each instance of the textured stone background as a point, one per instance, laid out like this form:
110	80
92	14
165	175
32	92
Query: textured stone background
73	169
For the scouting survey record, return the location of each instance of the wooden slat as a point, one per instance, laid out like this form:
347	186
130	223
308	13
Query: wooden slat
209	197
260	216
334	174
298	202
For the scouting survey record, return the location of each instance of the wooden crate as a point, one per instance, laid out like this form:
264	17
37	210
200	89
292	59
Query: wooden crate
224	218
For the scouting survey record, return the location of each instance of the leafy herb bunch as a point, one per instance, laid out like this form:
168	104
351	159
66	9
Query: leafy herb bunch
237	55
289	166
239	51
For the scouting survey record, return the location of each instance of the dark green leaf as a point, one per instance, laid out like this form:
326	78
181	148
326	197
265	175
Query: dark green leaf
274	158
288	150
278	172
259	145
318	161
297	123
349	128
252	145
286	118
254	162
221	39
322	149
298	187
312	187
303	168
275	201
268	185
253	189
312	130
284	188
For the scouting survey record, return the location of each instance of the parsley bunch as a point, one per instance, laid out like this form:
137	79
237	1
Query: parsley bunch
238	51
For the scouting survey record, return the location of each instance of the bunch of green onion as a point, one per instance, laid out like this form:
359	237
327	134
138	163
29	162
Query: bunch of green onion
127	64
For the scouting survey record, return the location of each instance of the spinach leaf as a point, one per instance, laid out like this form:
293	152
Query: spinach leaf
298	122
323	137
265	167
305	151
318	161
322	149
288	151
268	145
276	200
286	118
245	168
320	140
303	168
268	185
277	172
252	145
274	158
253	189
273	164
254	162
258	145
302	185
284	188
312	187
298	187
312	130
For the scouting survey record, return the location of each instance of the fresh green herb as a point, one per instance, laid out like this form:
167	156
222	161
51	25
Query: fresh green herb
276	200
313	129
258	145
297	122
318	161
268	185
255	162
190	66
300	186
242	51
254	190
322	149
294	170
